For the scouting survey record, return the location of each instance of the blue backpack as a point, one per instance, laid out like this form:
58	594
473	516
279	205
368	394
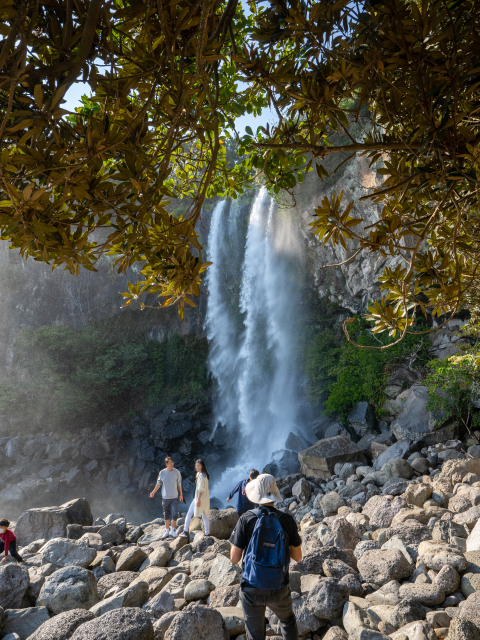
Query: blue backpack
266	560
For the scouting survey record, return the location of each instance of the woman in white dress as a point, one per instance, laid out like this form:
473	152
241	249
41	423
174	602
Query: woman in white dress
201	502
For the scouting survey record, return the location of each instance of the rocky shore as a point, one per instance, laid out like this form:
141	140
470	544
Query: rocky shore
391	550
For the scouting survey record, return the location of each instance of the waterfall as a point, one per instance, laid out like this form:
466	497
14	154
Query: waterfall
253	336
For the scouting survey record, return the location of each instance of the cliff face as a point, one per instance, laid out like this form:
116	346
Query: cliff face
354	284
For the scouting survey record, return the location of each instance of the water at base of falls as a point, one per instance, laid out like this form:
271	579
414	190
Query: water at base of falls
253	331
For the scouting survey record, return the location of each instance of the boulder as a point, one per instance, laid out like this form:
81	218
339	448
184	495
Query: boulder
158	558
436	554
473	540
159	605
320	459
51	522
331	503
154	535
226	596
327	598
396	469
461	629
176	586
135	595
429	595
120	580
383	565
222	523
234	619
69	588
418	494
447	579
388	594
313	562
354	617
384	514
120	624
199	622
14	580
414	422
343	535
362	418
156	578
63	552
198	590
224	573
405	612
418	630
302	490
24	621
394	452
62	626
307	622
131	559
471	609
470	583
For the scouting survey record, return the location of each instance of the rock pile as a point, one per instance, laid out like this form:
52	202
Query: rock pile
390	551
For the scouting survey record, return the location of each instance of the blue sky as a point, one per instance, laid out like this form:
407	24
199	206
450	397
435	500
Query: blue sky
76	91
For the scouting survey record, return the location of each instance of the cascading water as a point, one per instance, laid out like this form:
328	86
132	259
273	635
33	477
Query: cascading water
254	336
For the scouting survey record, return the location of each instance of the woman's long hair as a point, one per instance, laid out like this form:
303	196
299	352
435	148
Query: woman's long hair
204	468
253	474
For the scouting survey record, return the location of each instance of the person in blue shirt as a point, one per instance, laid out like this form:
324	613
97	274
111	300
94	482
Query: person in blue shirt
243	503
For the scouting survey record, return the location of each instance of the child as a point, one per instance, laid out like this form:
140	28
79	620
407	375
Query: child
8	541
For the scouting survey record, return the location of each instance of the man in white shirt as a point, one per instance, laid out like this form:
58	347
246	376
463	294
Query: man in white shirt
170	479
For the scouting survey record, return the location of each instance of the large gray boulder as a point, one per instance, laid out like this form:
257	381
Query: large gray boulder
224	573
131	559
122	624
120	580
394	452
14	580
64	552
463	630
320	459
51	522
222	523
383	565
69	588
24	621
135	595
199	622
414	421
362	418
471	609
327	598
159	605
62	626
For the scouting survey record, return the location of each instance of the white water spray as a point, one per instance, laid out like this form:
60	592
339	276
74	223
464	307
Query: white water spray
253	339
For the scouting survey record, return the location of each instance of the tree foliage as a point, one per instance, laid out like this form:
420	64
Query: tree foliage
162	104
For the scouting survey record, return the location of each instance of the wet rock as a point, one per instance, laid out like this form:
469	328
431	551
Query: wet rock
62	626
51	522
120	624
199	622
69	588
14	580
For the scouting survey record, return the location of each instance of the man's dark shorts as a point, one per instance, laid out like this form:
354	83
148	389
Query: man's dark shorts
170	508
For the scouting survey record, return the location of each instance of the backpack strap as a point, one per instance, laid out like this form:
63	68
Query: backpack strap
264	512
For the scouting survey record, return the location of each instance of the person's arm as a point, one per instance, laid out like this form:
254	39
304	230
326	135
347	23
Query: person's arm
202	488
234	491
179	485
295	554
235	554
157	486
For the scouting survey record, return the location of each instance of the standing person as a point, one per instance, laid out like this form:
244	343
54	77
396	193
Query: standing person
269	539
243	503
201	502
8	541
170	479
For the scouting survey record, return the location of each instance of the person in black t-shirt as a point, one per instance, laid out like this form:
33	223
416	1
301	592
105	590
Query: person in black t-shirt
263	491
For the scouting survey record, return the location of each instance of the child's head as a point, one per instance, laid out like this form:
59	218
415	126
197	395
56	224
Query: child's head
4	523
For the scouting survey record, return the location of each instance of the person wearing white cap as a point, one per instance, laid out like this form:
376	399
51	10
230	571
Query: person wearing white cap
267	539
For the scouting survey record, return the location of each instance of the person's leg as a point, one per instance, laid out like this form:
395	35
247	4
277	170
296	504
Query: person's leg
188	518
174	515
12	550
206	523
280	603
2	550
253	605
166	514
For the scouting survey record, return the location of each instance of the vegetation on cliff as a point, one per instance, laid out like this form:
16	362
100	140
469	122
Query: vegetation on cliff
63	378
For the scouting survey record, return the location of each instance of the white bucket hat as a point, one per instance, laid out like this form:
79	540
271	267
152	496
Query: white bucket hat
263	490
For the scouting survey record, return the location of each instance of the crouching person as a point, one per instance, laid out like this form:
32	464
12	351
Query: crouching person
8	542
268	538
